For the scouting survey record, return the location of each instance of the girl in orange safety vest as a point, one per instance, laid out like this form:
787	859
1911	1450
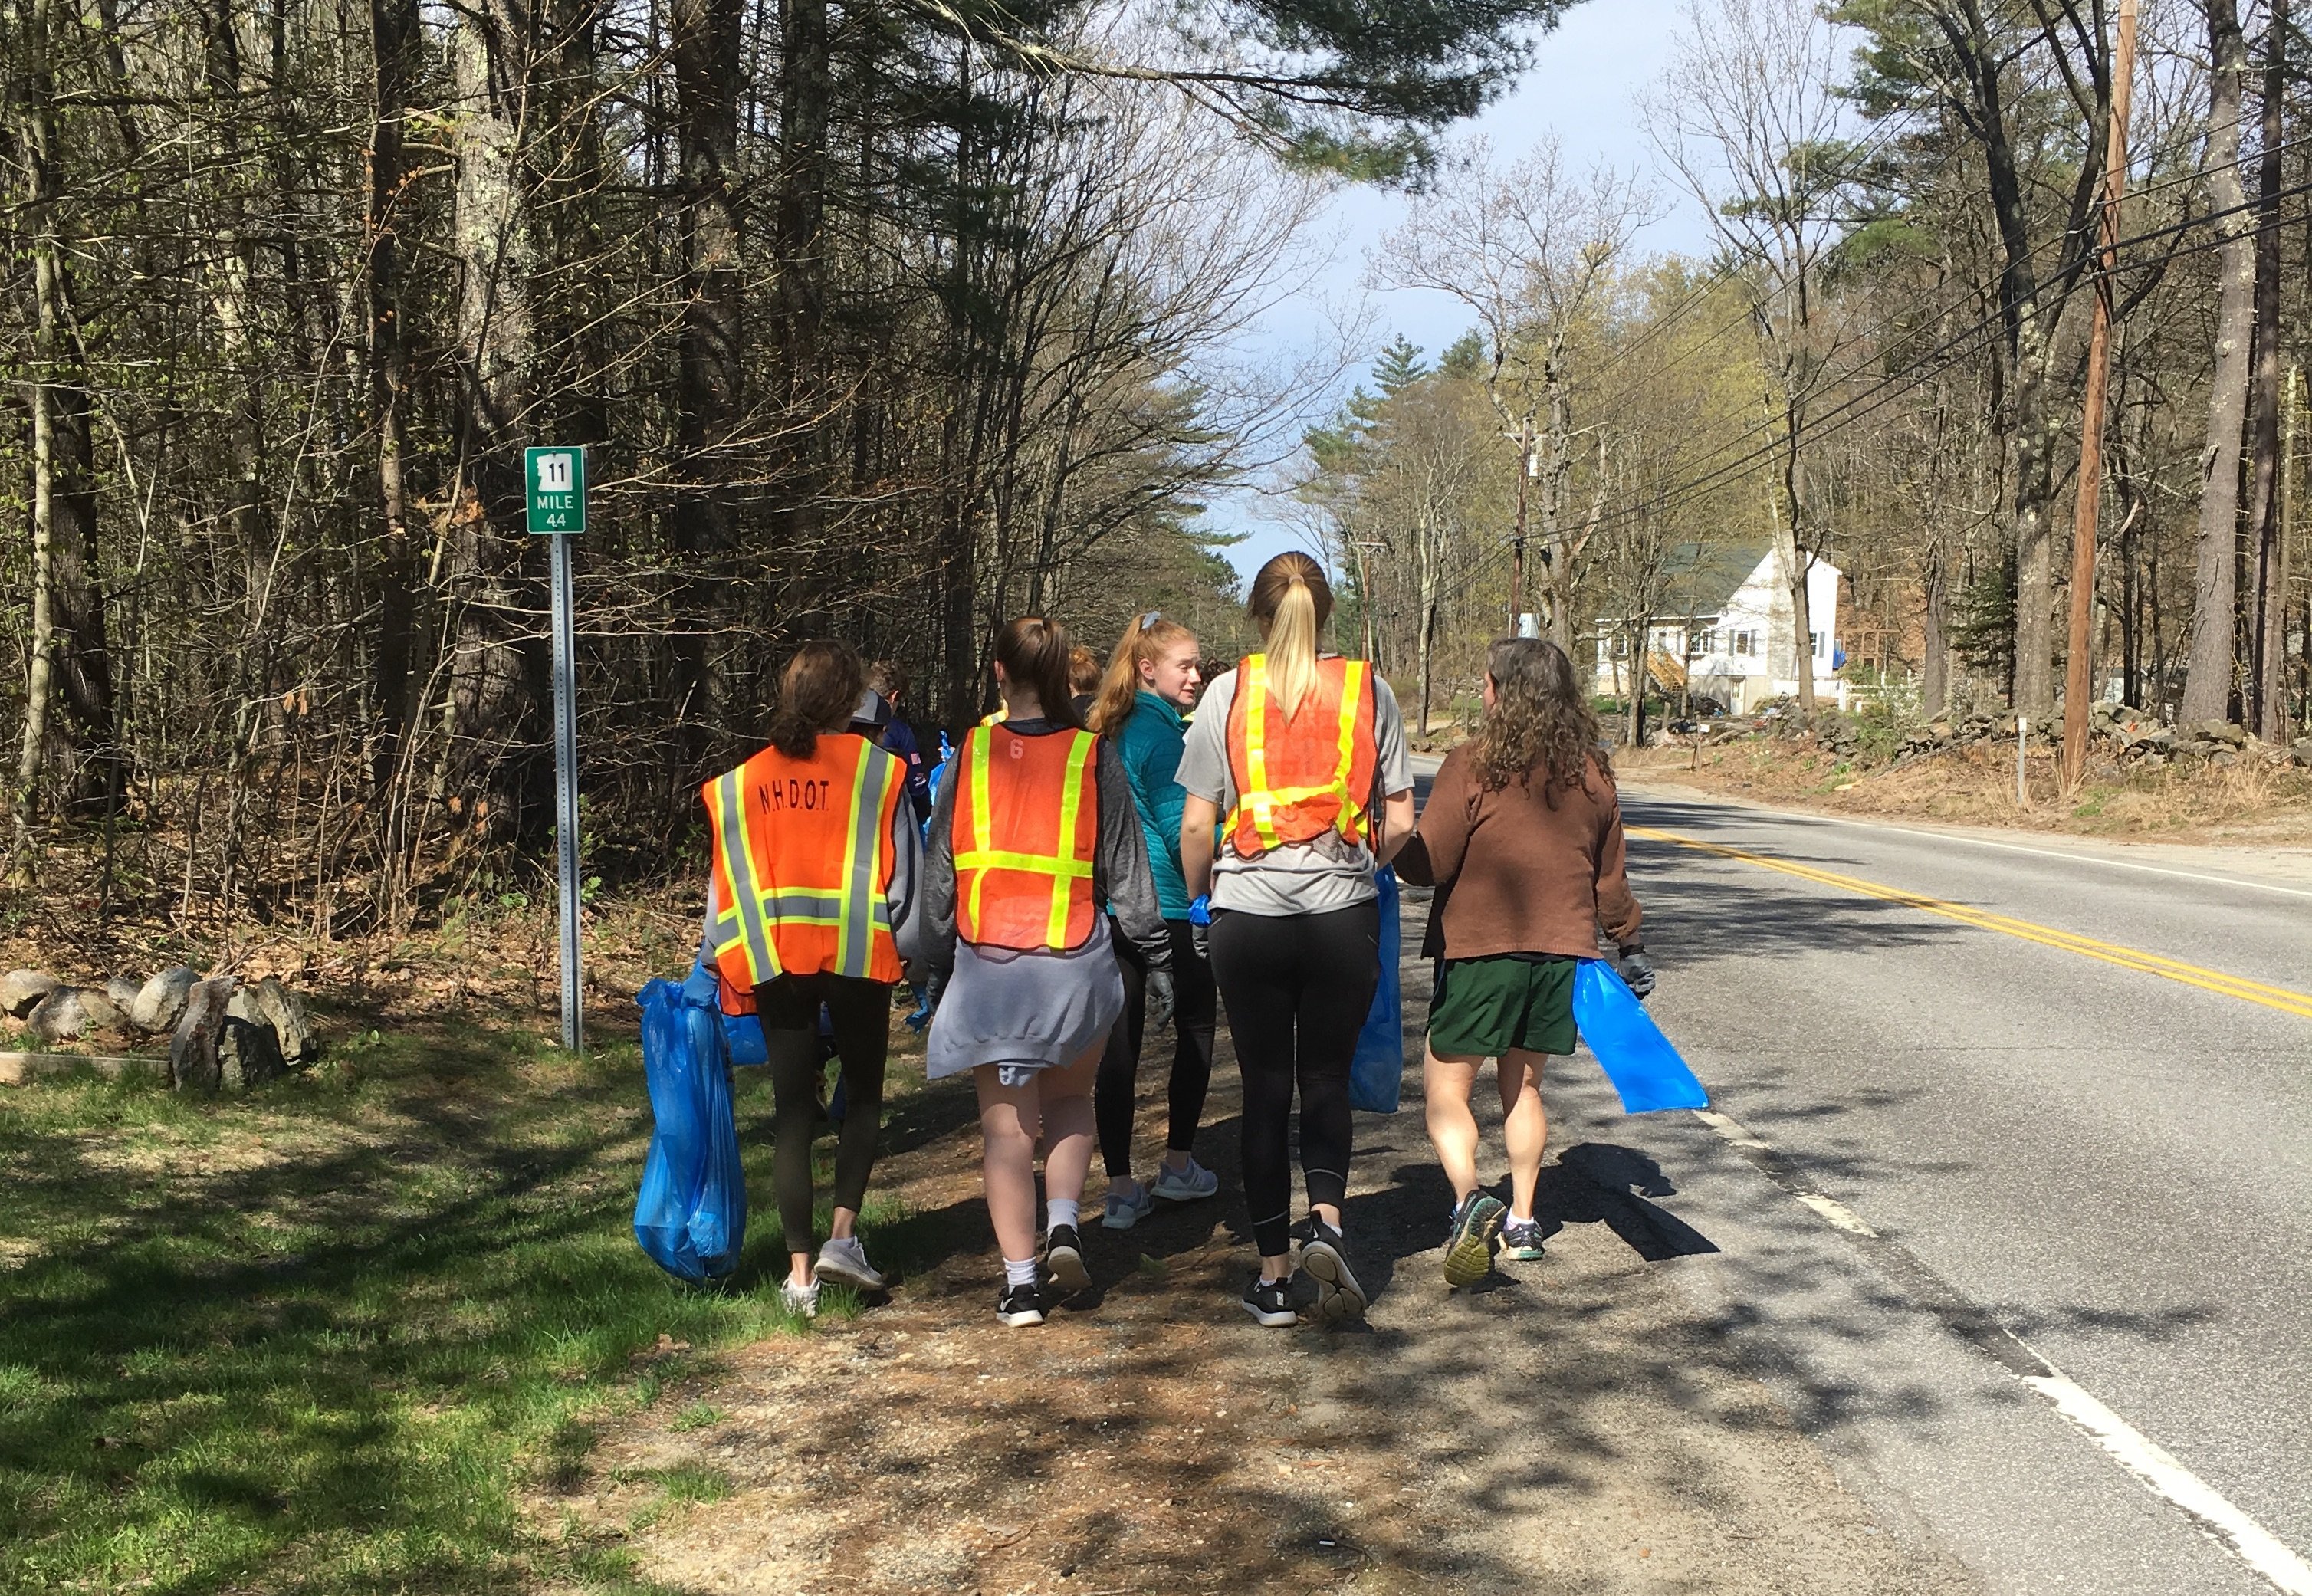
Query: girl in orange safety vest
816	858
1297	762
1033	831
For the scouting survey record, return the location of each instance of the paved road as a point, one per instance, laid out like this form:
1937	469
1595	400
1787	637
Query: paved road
2115	1166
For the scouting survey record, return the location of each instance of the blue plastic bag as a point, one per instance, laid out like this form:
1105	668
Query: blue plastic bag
1644	1068
1377	1072
691	1214
743	1047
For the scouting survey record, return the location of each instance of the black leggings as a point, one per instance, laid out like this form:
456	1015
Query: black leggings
1298	988
861	1012
1115	1097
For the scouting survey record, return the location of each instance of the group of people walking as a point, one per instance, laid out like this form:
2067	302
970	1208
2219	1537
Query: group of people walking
1105	857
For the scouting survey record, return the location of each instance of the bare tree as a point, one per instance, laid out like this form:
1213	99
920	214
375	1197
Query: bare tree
1531	249
1752	120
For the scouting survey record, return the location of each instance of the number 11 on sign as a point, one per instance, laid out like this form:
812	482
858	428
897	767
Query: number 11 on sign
556	479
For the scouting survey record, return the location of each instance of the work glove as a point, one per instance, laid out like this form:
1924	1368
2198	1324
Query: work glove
1159	999
1638	973
1200	927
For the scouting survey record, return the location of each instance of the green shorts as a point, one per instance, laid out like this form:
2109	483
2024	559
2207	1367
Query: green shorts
1483	1008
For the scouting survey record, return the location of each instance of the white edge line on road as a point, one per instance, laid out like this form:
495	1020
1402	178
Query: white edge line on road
2017	848
2145	1459
2135	1452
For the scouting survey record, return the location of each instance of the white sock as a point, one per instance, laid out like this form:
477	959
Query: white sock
1020	1273
1518	1218
1060	1211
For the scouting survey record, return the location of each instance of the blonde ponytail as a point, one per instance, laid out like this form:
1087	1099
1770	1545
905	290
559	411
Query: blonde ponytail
1292	648
1290	602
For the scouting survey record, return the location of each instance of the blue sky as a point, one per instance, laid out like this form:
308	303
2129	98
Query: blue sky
1582	87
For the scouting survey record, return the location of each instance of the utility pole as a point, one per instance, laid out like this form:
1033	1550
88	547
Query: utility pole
2078	674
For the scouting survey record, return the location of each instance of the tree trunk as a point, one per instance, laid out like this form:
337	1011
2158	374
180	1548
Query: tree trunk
806	96
706	41
1799	560
393	44
1556	474
1934	666
490	684
69	666
2208	676
2267	692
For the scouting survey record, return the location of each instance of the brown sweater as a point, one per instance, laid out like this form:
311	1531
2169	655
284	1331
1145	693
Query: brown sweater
1520	871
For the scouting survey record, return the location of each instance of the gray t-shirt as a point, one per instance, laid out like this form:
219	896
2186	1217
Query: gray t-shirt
1306	878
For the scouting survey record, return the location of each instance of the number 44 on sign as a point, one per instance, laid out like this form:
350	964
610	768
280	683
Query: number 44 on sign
557	479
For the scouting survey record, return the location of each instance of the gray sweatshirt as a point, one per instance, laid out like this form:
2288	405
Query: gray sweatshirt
1119	872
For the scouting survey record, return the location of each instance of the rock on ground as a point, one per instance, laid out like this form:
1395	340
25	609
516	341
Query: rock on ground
122	990
282	1009
160	1002
193	1063
21	991
248	1054
70	1013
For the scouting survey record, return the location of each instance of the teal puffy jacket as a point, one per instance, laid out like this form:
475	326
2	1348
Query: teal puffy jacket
1150	747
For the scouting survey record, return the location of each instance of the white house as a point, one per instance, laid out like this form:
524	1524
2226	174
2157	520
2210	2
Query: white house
1725	620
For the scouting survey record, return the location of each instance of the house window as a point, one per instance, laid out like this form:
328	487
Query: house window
1743	642
1706	644
1818	640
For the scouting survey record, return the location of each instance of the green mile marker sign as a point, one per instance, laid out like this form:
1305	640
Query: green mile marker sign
557	477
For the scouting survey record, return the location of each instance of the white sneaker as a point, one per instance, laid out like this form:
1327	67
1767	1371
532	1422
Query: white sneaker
801	1301
1125	1212
1187	1185
845	1262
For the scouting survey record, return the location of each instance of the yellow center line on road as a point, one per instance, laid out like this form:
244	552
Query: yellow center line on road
2153	964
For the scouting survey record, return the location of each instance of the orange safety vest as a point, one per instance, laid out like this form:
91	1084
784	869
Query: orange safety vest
1027	821
1297	779
803	865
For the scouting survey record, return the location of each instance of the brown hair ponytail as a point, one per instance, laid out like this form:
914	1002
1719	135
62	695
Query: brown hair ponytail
1290	602
817	691
1034	653
1119	689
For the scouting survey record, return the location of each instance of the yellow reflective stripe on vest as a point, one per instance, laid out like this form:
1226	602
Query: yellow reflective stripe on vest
1071	811
976	743
749	931
1352	684
856	934
1257	796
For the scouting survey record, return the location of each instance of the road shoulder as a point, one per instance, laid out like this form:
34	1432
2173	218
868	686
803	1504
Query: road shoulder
2241	862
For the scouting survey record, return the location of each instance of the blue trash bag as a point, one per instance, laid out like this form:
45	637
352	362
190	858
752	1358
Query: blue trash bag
1644	1068
742	1034
1377	1072
691	1214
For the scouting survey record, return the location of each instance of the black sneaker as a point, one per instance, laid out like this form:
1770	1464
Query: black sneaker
1324	1258
1017	1305
1064	1263
1270	1303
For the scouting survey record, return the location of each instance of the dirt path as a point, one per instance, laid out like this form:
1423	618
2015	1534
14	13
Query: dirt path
1570	1429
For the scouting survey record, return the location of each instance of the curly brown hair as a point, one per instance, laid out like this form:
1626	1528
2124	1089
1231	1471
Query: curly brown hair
1540	721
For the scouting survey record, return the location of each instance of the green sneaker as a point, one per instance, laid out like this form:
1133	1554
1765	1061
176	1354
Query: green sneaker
1470	1244
1522	1243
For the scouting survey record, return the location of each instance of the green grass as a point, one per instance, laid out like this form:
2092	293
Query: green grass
317	1341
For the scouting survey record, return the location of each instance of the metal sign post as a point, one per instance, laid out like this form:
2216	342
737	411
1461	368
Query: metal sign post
556	480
